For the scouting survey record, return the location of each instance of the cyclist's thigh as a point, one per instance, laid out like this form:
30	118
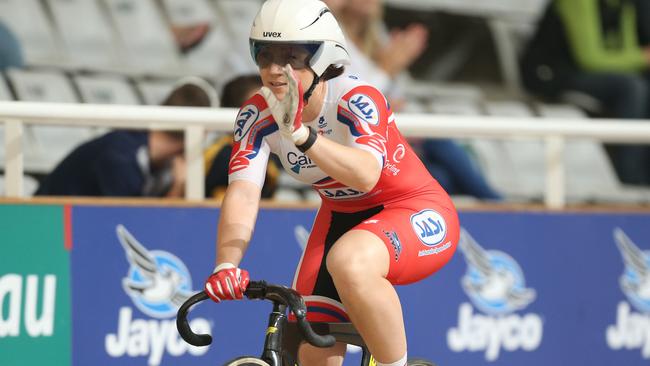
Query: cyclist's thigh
420	234
313	356
312	279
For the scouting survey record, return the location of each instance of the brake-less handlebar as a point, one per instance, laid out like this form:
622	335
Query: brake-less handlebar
256	290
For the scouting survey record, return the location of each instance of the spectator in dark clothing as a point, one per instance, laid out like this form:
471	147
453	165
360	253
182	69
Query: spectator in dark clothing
129	163
217	156
598	48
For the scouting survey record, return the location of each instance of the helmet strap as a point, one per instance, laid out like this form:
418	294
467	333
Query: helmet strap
307	94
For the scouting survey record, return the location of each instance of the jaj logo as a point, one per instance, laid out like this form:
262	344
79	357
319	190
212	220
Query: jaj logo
495	284
158	283
632	330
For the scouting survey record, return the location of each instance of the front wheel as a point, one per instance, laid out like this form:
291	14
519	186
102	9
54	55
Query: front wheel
419	362
246	361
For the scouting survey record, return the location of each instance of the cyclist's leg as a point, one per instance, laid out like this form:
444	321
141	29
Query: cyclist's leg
359	263
395	247
314	282
310	355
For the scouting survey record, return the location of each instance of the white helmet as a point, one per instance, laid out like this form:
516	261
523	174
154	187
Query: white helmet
307	22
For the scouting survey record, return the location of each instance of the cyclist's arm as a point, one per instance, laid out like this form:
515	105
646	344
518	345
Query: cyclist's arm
358	162
351	166
237	219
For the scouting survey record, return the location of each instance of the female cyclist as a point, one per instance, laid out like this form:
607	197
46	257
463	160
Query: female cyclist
383	221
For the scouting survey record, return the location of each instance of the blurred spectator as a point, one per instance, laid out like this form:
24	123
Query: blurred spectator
380	58
10	50
594	48
129	163
217	156
188	28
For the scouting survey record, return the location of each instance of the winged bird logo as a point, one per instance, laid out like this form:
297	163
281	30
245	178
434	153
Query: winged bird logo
494	281
635	281
158	282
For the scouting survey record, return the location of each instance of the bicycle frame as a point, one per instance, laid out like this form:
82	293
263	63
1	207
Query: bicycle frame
283	337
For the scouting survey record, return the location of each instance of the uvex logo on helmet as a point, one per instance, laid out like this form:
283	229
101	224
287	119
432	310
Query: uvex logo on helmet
272	34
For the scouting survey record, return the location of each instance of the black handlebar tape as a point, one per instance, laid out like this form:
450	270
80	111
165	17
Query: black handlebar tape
183	325
297	305
315	339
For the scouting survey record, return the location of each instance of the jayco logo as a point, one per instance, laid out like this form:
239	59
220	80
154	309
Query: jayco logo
495	284
272	34
27	303
158	283
362	106
245	120
632	329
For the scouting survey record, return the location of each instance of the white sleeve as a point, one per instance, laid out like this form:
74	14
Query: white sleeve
251	150
250	166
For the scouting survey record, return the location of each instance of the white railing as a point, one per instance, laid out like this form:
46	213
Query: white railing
195	121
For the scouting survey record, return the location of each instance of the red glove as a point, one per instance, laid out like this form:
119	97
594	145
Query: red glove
288	111
227	283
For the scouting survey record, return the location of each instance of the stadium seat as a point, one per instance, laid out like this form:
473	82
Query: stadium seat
45	146
106	89
154	92
146	37
525	156
86	33
5	93
38	38
42	86
238	16
430	91
590	176
455	106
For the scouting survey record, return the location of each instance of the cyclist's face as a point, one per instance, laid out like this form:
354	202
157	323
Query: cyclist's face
271	60
296	56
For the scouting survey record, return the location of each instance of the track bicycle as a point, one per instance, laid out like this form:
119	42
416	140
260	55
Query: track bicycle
283	337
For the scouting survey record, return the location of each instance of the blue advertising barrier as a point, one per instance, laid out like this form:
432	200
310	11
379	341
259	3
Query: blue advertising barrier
522	288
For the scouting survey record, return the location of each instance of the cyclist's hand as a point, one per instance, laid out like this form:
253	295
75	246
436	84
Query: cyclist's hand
287	111
227	283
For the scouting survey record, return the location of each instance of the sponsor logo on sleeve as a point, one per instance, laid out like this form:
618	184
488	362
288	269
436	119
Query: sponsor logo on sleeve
365	108
246	118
